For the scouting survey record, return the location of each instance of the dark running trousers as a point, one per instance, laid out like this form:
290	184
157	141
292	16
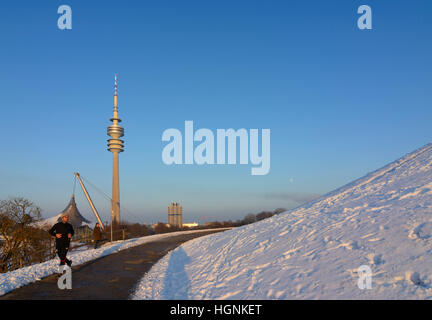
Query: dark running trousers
62	252
97	242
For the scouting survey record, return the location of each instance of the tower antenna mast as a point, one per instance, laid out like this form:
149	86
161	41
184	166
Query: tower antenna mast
115	145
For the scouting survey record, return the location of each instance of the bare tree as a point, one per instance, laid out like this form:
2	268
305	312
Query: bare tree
264	215
249	218
279	210
22	242
161	228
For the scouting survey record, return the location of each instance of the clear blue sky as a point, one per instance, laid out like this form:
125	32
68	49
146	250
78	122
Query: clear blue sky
340	102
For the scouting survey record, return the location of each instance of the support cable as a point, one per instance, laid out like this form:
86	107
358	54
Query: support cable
107	196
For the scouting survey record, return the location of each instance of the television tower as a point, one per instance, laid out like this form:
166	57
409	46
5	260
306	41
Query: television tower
115	145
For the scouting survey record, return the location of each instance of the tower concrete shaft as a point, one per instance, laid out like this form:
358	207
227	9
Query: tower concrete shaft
115	145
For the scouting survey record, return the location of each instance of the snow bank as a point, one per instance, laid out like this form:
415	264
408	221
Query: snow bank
383	220
20	277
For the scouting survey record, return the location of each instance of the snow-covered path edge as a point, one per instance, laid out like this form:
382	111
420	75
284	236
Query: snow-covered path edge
153	283
12	280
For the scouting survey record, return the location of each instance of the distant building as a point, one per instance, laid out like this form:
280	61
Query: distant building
175	212
191	224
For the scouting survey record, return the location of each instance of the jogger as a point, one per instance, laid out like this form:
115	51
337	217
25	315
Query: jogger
63	231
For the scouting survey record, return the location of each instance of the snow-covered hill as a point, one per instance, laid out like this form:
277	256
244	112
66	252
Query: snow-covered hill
383	220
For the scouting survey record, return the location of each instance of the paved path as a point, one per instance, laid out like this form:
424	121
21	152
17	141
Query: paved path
111	277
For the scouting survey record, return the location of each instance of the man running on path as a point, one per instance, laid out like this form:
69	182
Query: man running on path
63	231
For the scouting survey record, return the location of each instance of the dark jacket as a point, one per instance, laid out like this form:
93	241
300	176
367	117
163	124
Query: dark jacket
64	229
97	233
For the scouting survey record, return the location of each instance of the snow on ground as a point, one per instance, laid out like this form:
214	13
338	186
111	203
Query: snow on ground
383	220
20	277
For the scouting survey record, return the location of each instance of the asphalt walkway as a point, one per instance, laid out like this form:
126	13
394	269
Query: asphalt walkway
111	277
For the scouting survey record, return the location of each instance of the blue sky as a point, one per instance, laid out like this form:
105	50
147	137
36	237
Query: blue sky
340	102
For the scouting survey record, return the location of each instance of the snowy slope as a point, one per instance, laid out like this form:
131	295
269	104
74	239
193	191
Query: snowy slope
383	220
20	277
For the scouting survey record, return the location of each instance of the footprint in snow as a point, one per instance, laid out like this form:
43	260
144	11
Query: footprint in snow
422	231
414	278
375	259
